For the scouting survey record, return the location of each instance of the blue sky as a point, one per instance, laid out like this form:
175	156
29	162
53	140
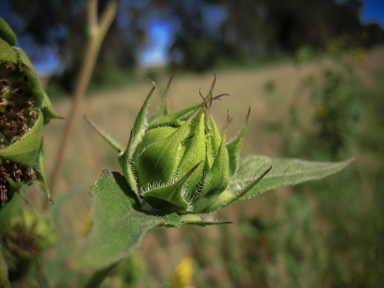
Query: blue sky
160	37
373	11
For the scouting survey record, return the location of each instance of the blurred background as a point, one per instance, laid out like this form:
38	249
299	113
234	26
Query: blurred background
312	73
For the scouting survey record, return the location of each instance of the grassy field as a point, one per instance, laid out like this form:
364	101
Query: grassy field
326	234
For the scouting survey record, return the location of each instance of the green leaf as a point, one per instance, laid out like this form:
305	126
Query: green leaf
284	172
25	150
234	147
170	198
41	179
6	33
111	141
118	226
163	107
140	123
6	52
8	212
137	134
229	196
99	276
193	219
217	177
47	109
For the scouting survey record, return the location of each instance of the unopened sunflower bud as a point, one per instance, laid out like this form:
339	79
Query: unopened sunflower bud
180	162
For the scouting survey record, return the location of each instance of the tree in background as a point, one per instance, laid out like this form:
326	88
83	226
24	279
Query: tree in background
245	29
60	26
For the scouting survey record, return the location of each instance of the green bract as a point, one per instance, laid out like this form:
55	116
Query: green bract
24	109
180	162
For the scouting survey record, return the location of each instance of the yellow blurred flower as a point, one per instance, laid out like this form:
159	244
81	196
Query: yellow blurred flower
359	56
86	223
182	276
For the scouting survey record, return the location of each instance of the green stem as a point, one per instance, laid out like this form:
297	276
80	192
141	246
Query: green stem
24	275
3	272
96	34
99	276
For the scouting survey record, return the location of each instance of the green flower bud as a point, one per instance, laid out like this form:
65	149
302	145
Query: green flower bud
30	233
180	162
24	108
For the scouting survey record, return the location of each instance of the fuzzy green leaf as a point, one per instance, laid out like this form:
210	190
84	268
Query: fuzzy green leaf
118	227
25	150
284	172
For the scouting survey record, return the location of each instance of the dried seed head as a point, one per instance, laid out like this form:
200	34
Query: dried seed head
17	107
16	172
4	82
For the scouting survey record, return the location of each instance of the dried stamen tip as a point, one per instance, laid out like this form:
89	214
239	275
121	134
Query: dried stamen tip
249	113
51	202
4	82
221	95
153	83
202	97
227	122
169	83
213	83
131	135
3	194
32	114
18	91
10	66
